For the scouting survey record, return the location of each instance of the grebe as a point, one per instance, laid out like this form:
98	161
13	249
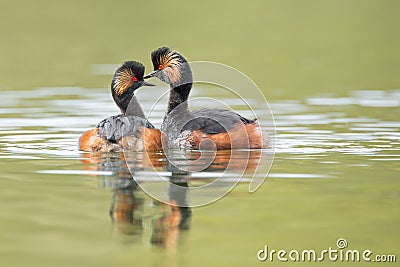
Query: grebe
130	129
188	129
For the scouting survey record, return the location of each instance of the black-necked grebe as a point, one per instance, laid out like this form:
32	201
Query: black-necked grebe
188	129
129	130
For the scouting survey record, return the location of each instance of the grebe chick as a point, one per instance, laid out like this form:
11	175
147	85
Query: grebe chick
130	129
187	129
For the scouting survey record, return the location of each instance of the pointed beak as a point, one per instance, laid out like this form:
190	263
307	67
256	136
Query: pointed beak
144	83
151	74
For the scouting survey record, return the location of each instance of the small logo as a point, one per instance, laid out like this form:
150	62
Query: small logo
341	243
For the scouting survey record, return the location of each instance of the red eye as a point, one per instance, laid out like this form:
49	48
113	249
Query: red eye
134	79
160	67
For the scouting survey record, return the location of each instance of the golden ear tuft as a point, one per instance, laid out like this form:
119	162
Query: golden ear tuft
171	63
123	81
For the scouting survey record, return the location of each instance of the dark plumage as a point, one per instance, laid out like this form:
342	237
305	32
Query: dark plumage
115	127
187	129
126	80
110	132
209	120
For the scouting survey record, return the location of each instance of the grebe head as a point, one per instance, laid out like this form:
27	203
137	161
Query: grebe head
126	80
170	67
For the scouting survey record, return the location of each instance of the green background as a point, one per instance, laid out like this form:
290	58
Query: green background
287	47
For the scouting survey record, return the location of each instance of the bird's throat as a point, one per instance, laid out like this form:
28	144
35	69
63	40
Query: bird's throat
134	108
178	97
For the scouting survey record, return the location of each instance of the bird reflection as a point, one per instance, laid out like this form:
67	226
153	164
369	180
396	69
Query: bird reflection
174	218
136	215
132	211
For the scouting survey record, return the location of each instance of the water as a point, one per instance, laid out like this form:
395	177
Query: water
335	175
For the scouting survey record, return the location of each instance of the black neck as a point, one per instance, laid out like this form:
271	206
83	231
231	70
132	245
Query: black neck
178	96
128	104
134	108
179	91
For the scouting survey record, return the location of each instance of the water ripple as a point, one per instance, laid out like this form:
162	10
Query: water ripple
47	122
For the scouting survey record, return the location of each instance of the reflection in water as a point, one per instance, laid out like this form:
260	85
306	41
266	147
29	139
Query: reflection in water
209	174
132	211
166	221
212	161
